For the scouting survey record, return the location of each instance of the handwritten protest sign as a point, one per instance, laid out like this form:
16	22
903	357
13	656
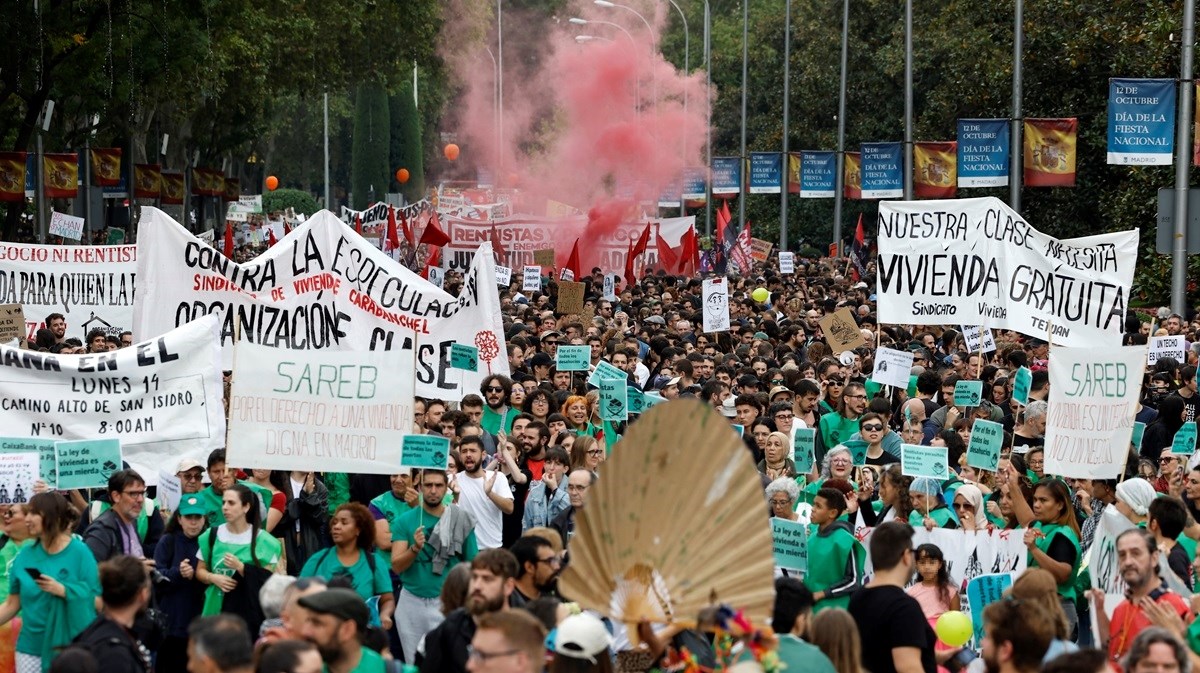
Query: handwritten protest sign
787	262
573	358
716	304
892	367
1167	347
464	357
67	226
531	279
1022	381
614	399
978	339
1184	442
987	439
841	332
968	393
503	275
300	410
169	490
1093	399
803	451
924	461
424	452
790	542
570	298
44	448
12	323
18	472
86	463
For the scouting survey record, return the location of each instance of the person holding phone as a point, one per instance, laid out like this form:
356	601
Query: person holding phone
55	582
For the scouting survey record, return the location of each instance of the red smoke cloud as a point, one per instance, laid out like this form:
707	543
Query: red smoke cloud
600	125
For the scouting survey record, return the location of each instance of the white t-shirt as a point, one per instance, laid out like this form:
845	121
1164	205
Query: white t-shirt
489	524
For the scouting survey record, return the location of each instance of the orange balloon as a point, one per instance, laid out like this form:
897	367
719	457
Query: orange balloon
402	175
451	151
272	183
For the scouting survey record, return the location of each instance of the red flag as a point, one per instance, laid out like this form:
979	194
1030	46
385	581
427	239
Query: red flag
498	247
687	250
228	241
723	219
286	229
643	241
271	240
358	223
435	260
666	255
433	234
406	225
630	278
859	238
859	252
393	236
573	262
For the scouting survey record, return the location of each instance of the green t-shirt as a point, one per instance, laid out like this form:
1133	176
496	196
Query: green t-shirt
43	625
392	507
268	550
1049	530
836	429
419	578
493	422
7	554
941	515
371	662
798	655
326	564
212	506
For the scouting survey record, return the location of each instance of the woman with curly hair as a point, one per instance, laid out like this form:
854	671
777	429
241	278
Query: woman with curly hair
354	556
894	500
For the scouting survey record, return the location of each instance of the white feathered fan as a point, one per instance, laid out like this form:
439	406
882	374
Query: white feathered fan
676	523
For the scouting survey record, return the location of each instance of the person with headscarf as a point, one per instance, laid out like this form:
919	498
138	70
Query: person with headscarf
929	508
1133	500
1160	433
968	507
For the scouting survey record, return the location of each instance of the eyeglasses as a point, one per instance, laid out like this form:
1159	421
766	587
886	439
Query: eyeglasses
595	452
840	461
839	384
784	416
552	561
776	382
135	494
479	655
190	477
780	503
540	400
872	427
1164	461
856	397
494	389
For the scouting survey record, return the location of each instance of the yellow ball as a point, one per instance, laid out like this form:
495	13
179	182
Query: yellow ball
954	628
760	295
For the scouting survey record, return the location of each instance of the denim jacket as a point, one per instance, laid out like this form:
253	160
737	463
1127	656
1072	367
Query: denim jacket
540	510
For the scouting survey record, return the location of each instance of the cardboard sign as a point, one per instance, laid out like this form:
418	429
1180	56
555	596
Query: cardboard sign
987	439
968	393
67	226
18	472
1167	347
1022	381
790	544
531	279
47	456
464	357
503	275
573	358
1139	431
892	367
1184	443
570	298
424	452
716	304
787	262
924	461
86	463
605	370
858	451
12	323
614	399
637	401
841	332
982	592
803	451
544	257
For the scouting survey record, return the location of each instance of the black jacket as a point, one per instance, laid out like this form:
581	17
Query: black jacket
564	523
114	647
446	645
106	538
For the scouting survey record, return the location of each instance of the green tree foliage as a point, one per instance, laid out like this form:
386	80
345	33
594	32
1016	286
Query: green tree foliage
406	148
282	199
370	174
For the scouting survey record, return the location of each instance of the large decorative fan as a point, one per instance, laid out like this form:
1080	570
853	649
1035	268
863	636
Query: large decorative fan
675	523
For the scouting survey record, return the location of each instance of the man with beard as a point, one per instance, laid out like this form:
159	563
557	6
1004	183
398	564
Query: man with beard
57	323
493	577
485	494
125	593
1137	555
434	410
538	565
901	640
1016	635
337	623
427	542
497	415
835	428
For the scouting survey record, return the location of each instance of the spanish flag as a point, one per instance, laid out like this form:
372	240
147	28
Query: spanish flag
1050	152
147	181
12	176
935	170
216	183
793	172
61	175
232	190
106	166
172	189
199	182
852	176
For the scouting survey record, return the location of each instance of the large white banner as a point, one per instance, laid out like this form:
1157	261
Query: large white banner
977	262
92	285
322	287
1094	396
308	410
163	398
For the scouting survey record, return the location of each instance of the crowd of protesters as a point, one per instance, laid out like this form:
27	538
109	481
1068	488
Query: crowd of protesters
456	570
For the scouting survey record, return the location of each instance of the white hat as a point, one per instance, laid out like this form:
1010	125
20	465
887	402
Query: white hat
186	464
581	636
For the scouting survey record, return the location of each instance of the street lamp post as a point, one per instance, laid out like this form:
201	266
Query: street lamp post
637	81
495	114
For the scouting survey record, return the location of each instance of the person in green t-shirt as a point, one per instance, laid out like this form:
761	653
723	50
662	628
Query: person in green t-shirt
497	416
336	624
837	427
354	556
835	556
229	554
387	507
211	496
929	508
791	619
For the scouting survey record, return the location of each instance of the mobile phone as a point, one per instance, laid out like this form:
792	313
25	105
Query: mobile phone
34	573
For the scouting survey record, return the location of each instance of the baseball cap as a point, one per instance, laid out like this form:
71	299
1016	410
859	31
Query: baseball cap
191	506
188	464
541	360
727	409
581	636
341	603
777	390
860	286
673	382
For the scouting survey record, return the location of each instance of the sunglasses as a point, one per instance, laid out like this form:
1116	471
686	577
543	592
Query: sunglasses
495	389
872	427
